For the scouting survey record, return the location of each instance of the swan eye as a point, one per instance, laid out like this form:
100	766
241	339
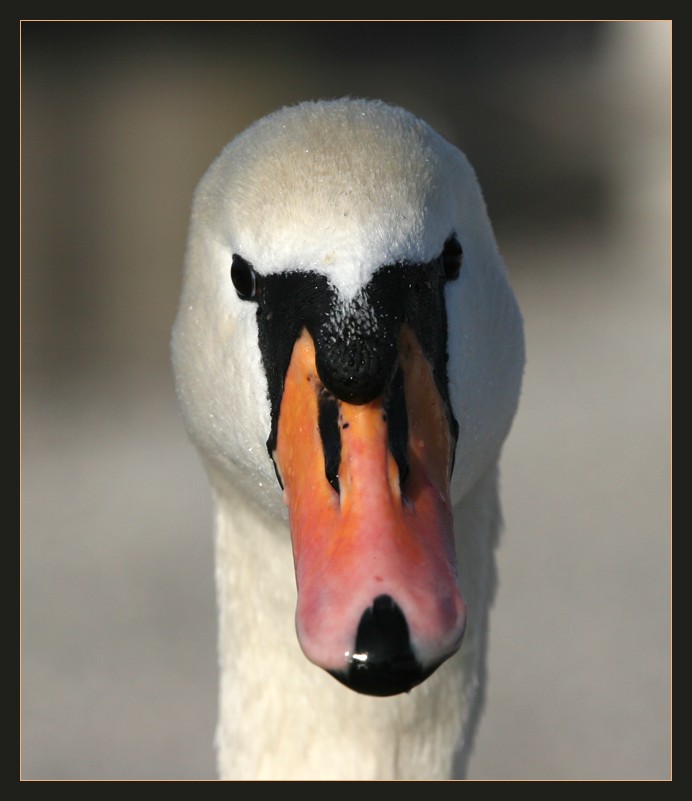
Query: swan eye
451	258
244	278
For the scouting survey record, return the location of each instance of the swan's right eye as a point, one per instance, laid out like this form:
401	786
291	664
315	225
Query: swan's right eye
244	278
452	257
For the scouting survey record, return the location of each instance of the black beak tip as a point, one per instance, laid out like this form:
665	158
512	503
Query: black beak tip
383	662
382	679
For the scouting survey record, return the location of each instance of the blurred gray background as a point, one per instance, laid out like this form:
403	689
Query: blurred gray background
568	126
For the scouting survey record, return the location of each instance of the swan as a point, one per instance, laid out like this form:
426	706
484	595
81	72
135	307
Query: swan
348	356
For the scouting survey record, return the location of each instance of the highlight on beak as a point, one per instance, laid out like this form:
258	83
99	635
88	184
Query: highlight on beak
367	489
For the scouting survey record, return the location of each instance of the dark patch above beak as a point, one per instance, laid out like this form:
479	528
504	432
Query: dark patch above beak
356	341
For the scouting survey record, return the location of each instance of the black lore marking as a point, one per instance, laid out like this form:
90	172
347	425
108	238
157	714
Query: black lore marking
285	304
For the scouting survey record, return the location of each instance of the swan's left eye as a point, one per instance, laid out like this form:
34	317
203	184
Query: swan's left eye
244	278
451	258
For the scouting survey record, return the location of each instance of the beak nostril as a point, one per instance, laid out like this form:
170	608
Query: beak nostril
397	425
328	423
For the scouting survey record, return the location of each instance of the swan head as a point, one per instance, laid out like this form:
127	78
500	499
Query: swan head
348	355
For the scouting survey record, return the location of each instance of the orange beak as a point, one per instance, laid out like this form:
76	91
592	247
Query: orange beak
379	604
